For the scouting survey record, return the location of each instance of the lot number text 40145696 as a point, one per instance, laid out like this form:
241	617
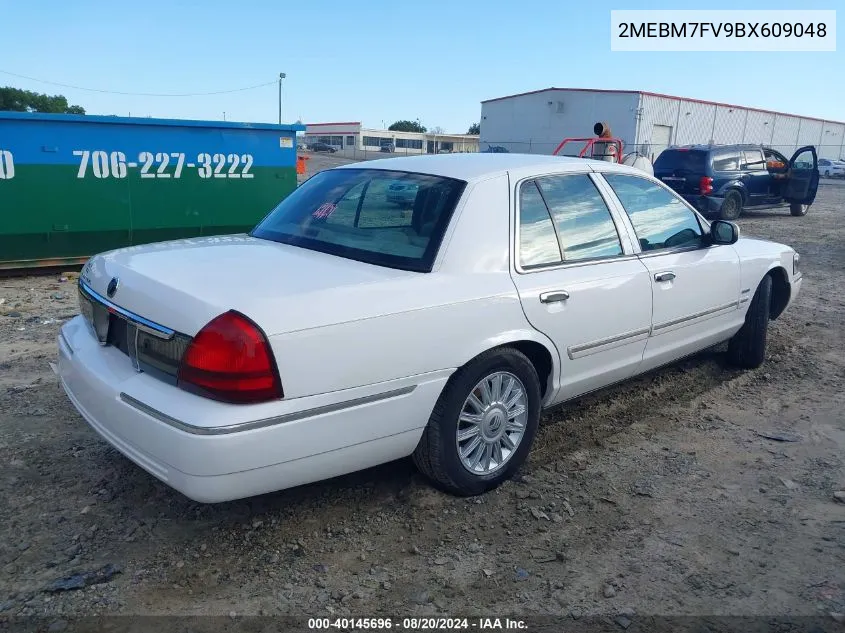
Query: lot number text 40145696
162	164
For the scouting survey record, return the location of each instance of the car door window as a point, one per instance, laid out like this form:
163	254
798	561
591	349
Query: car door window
584	225
753	161
538	244
804	159
775	161
659	217
726	162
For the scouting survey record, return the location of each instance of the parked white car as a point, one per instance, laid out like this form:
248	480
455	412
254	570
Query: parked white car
402	194
341	334
831	168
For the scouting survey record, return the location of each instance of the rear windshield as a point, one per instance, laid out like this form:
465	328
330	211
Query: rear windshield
389	218
681	159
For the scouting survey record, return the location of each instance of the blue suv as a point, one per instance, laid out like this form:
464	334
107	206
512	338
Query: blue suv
722	180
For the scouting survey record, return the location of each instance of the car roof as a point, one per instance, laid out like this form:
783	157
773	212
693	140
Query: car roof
470	166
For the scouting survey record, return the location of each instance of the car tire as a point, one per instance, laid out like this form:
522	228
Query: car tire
438	454
747	348
731	206
797	209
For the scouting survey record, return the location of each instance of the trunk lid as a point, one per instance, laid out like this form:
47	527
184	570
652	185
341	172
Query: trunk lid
183	284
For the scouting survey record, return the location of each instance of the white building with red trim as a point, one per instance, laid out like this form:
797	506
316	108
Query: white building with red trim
352	137
536	122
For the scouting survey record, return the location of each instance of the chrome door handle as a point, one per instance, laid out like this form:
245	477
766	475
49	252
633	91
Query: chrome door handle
667	276
554	296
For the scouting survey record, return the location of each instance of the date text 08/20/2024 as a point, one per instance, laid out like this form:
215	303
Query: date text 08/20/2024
417	624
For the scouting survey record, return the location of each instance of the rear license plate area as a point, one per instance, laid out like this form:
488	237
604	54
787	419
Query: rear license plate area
124	336
118	334
96	316
147	352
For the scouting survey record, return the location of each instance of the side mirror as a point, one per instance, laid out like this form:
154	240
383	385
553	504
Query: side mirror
723	232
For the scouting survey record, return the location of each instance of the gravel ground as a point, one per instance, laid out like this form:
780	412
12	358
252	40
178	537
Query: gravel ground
660	496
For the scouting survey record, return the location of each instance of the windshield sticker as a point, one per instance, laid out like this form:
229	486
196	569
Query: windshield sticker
324	211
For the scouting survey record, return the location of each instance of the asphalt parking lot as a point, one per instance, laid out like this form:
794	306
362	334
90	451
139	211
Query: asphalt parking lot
694	490
318	161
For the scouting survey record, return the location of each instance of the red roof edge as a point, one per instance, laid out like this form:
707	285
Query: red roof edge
338	123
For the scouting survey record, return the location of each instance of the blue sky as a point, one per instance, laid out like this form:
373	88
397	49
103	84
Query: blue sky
375	60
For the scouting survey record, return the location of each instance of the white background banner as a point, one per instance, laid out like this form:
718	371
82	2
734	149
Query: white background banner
702	30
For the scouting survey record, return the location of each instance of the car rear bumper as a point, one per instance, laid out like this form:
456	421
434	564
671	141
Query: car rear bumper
211	452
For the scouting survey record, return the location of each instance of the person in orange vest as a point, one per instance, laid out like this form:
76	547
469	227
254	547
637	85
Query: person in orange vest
300	165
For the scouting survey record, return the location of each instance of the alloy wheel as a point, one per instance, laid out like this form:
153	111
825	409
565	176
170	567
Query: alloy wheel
492	423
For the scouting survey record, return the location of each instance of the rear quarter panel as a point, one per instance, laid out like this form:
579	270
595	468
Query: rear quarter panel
400	345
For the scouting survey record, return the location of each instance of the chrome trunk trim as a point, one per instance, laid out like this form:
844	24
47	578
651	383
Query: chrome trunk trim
137	320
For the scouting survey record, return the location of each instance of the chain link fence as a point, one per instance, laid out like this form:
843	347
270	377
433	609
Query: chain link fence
573	148
651	151
371	153
320	160
369	146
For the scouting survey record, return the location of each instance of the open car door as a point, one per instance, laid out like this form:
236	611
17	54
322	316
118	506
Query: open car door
803	181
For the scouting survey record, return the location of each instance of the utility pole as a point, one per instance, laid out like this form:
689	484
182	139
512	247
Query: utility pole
281	76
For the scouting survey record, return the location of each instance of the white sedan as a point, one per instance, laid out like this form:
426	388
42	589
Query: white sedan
831	168
344	332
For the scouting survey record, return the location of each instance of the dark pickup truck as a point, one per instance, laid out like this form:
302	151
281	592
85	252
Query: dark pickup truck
722	180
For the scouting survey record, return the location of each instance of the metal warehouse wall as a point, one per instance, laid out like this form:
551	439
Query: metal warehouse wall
73	185
536	123
696	122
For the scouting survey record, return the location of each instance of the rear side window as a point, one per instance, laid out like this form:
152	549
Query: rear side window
684	160
564	219
753	160
726	162
584	226
659	217
538	244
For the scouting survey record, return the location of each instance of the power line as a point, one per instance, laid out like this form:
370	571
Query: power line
138	94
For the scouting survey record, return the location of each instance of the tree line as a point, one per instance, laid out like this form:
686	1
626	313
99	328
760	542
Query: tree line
17	100
406	125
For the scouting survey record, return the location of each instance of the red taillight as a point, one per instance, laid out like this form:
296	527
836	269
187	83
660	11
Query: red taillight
230	360
705	185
